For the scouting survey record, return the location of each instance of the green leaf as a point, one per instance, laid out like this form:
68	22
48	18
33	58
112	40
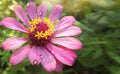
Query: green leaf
114	56
84	27
114	69
5	58
90	62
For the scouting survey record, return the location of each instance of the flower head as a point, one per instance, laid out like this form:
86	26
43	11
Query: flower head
47	43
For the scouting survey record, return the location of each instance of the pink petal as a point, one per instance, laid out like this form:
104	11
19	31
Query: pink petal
65	22
41	11
61	54
55	13
12	23
59	66
68	42
34	56
47	59
19	55
13	43
74	55
22	15
70	31
32	10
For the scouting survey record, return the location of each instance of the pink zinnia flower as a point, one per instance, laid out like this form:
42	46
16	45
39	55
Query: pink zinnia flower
49	44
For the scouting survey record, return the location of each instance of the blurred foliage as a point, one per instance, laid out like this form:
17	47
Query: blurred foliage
99	21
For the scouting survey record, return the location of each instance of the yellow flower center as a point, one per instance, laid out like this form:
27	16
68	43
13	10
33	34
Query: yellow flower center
41	23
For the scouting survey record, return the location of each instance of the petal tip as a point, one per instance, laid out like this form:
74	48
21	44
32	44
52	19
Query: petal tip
3	46
73	18
81	45
16	7
60	6
12	62
29	3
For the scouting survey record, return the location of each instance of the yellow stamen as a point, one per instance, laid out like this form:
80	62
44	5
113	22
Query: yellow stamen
42	34
33	23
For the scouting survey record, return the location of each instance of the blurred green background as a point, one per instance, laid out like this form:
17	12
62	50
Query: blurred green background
100	23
